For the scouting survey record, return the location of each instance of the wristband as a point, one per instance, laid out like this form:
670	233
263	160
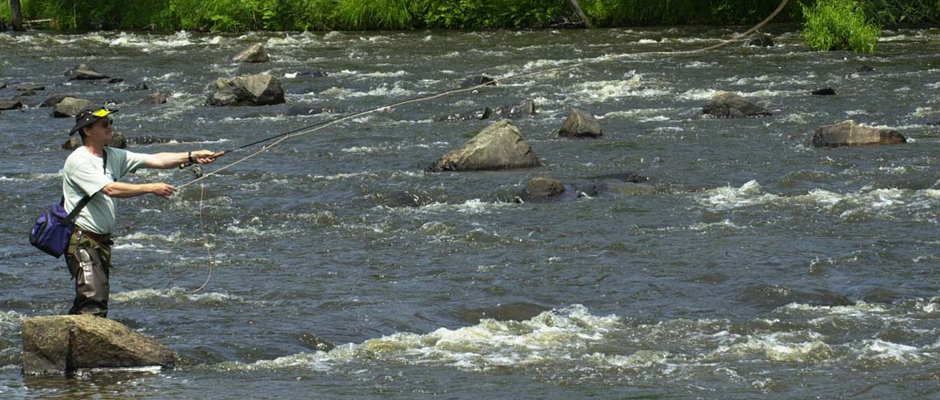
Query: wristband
191	160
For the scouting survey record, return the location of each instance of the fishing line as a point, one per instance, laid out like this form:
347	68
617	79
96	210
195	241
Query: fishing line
326	124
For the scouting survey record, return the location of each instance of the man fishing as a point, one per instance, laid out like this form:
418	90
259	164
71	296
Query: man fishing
94	170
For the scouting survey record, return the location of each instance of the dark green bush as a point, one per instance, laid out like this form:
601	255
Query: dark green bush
839	25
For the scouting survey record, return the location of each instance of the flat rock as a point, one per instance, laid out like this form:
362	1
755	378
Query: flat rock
25	87
84	72
850	133
56	344
581	124
311	73
498	146
253	54
730	105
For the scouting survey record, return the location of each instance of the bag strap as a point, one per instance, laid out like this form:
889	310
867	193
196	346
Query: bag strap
84	201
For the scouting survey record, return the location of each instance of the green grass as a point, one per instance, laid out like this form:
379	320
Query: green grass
839	25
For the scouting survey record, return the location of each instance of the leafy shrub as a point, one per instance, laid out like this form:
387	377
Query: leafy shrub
839	25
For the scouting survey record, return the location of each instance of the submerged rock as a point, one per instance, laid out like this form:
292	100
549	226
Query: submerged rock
498	146
580	124
250	90
253	54
546	189
303	109
68	342
3	84
30	87
312	73
522	110
730	105
138	87
864	68
154	98
825	92
477	81
69	107
761	41
518	311
850	133
84	72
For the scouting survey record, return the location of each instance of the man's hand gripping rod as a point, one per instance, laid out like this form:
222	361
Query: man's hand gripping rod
213	156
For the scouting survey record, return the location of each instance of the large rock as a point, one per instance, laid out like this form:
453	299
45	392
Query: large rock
75	141
250	90
499	146
580	124
69	107
827	91
55	99
84	72
849	133
253	54
69	342
730	105
10	104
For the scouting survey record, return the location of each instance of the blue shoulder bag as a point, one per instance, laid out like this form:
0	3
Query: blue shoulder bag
53	229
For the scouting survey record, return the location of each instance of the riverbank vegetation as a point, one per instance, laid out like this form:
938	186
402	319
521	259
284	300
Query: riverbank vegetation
279	15
839	25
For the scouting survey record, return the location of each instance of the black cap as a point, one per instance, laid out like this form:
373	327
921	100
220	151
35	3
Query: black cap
89	116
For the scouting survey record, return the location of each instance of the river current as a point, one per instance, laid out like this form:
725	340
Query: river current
749	265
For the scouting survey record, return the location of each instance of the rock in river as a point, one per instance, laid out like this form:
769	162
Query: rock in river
250	90
730	105
849	133
498	146
580	124
68	342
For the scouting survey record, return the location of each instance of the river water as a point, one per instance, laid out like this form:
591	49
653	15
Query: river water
750	264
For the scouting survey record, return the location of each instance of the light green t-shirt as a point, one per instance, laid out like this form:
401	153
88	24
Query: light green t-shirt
83	175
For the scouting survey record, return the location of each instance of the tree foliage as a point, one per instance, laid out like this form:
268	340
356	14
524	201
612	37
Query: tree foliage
839	25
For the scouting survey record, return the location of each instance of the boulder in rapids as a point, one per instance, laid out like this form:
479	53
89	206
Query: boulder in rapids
51	101
761	41
849	133
68	342
542	187
10	105
85	73
580	124
249	90
253	54
498	146
311	73
730	105
69	107
824	92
